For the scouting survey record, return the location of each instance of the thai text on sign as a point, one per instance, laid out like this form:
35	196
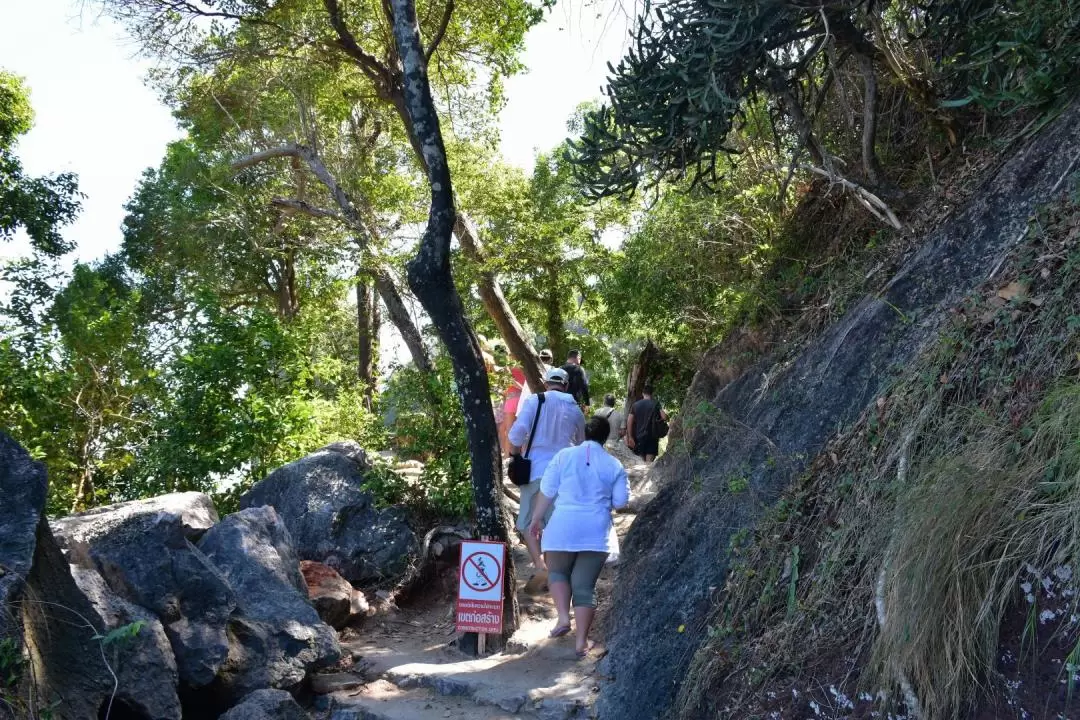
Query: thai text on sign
480	587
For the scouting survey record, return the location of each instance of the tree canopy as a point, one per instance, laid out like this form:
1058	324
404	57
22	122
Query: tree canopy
39	206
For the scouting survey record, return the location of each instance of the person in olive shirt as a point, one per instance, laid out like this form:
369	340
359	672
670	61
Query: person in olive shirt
640	433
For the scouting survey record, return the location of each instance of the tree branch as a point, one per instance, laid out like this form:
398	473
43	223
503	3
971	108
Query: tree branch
349	212
448	11
293	205
253	159
369	64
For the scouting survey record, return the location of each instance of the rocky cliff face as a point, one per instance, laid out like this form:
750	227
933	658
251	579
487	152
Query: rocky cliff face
759	431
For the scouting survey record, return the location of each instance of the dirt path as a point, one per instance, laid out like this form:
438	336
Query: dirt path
404	665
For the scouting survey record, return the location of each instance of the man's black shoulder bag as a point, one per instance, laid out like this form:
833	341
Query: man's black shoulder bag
520	465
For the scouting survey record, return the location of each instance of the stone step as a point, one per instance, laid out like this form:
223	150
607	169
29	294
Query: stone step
550	689
541	679
383	700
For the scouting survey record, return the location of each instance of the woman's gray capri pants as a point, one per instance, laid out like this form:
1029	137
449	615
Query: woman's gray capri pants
580	569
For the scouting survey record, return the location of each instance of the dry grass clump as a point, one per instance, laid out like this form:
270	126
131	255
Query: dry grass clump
963	534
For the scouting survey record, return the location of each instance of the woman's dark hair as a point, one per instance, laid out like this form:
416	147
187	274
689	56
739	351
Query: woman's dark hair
597	429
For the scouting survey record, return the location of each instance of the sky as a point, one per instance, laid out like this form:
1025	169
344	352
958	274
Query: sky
96	117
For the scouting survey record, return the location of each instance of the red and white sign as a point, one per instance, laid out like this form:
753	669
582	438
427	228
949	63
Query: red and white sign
480	587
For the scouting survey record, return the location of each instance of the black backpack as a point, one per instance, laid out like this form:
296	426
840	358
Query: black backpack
576	381
660	426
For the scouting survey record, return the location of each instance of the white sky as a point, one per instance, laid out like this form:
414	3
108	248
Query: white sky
95	117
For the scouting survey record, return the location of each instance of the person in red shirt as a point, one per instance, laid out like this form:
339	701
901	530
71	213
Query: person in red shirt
511	397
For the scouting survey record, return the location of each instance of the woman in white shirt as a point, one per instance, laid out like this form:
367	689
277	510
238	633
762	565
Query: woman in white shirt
588	483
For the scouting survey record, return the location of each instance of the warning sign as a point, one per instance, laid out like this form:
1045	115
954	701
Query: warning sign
480	585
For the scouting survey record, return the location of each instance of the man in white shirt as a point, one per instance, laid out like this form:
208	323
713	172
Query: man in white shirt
561	424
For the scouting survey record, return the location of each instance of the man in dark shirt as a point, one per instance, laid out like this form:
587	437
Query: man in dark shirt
640	429
579	384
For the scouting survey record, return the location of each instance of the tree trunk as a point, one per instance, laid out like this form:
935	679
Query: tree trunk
364	321
402	320
430	279
871	166
556	324
498	309
84	489
376	328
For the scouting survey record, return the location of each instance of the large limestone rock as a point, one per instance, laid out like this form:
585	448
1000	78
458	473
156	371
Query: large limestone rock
23	487
143	662
277	635
144	552
773	417
332	517
267	705
63	626
193	512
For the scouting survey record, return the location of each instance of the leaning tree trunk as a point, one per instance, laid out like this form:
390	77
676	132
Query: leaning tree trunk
399	316
498	309
431	281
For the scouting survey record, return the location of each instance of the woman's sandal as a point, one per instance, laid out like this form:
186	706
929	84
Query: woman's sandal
559	631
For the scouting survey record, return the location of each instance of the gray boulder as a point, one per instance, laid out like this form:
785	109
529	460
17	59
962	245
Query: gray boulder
193	512
143	661
144	552
277	635
267	705
332	518
23	486
73	666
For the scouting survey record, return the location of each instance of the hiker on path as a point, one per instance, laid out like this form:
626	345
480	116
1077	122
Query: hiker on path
560	426
511	397
584	484
641	425
545	365
579	382
616	419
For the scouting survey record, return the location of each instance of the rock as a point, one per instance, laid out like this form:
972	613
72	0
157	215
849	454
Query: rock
332	517
24	487
336	601
143	662
277	636
267	705
70	673
358	605
194	512
61	620
143	551
335	682
773	417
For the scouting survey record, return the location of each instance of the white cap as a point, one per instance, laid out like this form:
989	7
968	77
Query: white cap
557	376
